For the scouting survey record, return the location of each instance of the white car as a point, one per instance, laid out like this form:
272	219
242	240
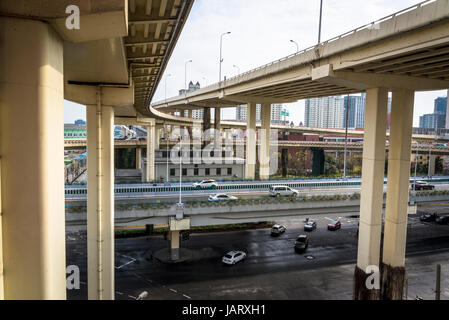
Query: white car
205	184
232	257
221	197
276	191
277	230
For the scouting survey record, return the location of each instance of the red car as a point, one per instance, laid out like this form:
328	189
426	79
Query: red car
334	225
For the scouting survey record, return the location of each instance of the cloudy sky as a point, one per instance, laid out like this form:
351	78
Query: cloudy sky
261	31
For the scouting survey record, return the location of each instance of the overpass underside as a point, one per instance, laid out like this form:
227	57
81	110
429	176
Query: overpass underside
106	55
113	64
402	53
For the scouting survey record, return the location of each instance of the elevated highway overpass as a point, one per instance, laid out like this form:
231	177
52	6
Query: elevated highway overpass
113	64
352	146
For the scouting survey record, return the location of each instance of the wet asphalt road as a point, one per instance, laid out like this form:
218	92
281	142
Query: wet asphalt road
268	258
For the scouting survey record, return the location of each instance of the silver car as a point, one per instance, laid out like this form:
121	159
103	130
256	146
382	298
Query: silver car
276	191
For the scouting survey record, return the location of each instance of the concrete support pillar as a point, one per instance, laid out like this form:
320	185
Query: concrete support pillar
318	161
393	262
174	245
139	158
32	170
432	163
151	135
100	201
157	139
264	159
250	163
217	127
206	126
189	113
372	190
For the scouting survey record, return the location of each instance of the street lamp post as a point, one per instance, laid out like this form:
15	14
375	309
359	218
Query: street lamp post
346	137
167	137
319	26
296	43
221	57
180	171
185	75
168	75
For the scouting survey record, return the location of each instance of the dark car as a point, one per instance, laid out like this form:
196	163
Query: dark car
334	225
422	185
310	226
301	243
442	220
427	217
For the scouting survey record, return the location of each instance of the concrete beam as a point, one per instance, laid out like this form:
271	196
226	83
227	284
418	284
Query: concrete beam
365	80
112	96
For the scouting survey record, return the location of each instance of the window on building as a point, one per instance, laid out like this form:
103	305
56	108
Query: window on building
207	172
230	171
218	171
184	172
196	171
172	172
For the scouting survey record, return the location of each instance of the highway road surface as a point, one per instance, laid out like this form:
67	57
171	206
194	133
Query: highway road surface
272	269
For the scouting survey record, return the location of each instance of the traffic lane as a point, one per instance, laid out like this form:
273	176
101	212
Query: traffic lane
174	197
267	255
204	194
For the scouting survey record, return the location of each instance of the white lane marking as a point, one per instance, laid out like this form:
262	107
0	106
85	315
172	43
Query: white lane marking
132	297
125	264
173	290
119	293
186	296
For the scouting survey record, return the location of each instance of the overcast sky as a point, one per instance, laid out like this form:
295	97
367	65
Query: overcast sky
260	33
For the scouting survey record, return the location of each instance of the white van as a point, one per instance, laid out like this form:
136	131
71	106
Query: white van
276	191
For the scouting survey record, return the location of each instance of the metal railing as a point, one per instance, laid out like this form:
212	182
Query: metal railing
136	190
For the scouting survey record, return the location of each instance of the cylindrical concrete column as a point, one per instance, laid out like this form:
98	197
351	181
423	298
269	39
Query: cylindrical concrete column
32	150
139	158
150	152
174	245
250	161
100	201
157	139
206	126
393	262
264	158
217	128
372	190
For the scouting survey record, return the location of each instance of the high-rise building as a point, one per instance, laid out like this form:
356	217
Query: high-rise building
192	87
196	114
325	112
356	111
432	121
440	105
276	110
437	119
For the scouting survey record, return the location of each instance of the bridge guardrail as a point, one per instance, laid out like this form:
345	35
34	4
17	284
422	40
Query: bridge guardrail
123	191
